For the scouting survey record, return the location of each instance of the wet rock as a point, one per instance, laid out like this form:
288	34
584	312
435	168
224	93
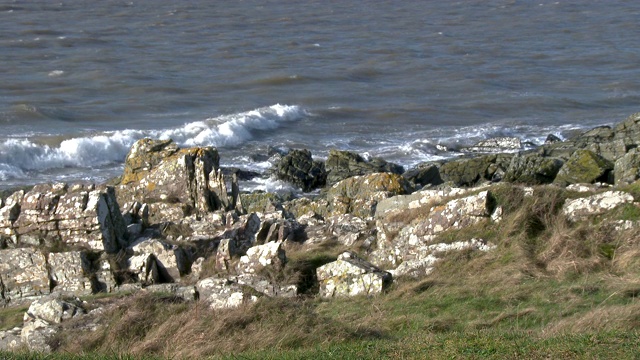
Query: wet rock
342	165
532	169
498	144
299	169
583	166
425	174
576	209
552	139
351	276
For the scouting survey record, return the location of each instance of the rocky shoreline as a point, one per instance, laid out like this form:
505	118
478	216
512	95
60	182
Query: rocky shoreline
175	222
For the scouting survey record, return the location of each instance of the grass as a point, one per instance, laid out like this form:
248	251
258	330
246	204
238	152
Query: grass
551	289
12	317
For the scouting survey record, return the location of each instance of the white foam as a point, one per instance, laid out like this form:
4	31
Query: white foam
56	73
268	185
20	155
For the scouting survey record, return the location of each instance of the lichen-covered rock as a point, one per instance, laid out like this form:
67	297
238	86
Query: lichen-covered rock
532	169
299	168
261	202
351	276
58	214
159	172
359	195
457	213
223	293
69	273
597	204
470	171
418	199
342	165
266	287
268	256
583	166
348	229
23	273
627	168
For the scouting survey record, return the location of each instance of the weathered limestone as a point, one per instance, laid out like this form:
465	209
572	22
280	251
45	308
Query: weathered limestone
418	199
350	275
68	272
41	319
188	293
10	339
627	168
268	256
223	293
597	204
170	262
23	274
359	195
168	178
77	215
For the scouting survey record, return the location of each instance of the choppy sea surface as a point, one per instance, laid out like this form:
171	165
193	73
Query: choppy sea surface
81	81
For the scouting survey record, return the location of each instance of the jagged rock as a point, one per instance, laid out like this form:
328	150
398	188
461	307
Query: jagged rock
77	215
237	239
351	276
218	186
457	213
268	256
157	172
342	165
223	293
53	310
69	273
359	195
302	206
498	144
416	268
532	169
348	229
261	202
170	261
10	339
575	209
583	166
23	274
299	168
425	174
627	168
280	230
471	171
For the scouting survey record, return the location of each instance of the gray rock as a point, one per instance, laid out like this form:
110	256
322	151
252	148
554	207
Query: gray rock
471	171
498	144
576	209
69	273
188	293
37	334
583	166
299	168
223	293
627	168
269	256
351	276
23	274
170	261
53	310
425	174
532	169
341	165
10	340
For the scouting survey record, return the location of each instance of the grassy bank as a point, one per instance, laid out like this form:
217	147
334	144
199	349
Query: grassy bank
551	289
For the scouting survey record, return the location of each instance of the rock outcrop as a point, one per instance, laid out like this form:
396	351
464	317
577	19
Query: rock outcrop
350	275
341	165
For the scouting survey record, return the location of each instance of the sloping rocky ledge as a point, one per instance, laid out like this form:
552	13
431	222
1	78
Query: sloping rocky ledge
175	223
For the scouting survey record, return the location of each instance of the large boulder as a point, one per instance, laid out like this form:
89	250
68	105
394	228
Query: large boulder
584	166
471	171
359	195
424	174
165	262
70	272
270	256
173	182
350	275
342	165
533	169
59	215
299	168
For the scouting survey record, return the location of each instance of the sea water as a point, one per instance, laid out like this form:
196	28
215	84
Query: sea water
81	81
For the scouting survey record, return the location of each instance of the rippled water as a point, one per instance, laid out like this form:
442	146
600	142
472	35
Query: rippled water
81	81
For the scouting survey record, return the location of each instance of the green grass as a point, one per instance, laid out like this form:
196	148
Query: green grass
12	317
